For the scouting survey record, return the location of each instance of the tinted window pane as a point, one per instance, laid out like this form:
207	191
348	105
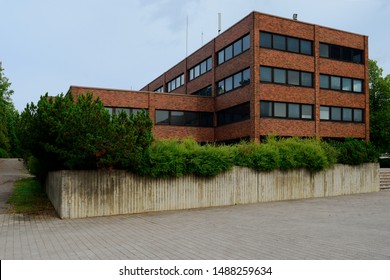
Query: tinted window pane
228	53
293	111
203	67
196	71
191	74
237	47
265	40
237	79
280	76
209	64
206	119
229	84
246	76
221	57
221	87
234	114
279	42
280	110
293	45
357	56
191	118
324	113
324	50
306	47
357	86
177	118
265	109
335	83
336	114
306	79
162	117
307	112
119	110
335	52
324	81
357	115
346	54
246	42
347	114
265	74
293	77
347	84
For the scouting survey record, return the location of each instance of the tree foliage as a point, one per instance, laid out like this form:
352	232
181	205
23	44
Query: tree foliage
8	119
64	133
379	107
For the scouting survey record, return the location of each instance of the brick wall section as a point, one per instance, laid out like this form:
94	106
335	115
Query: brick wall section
283	127
233	131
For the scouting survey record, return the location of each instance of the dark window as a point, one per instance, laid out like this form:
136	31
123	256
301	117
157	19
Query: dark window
234	49
293	45
306	79
221	57
265	40
357	115
279	76
246	43
336	114
279	42
294	111
307	112
162	117
335	83
306	47
265	74
184	118
293	77
175	83
324	50
324	81
286	110
347	84
285	43
234	114
207	91
266	109
237	80
341	53
347	114
341	114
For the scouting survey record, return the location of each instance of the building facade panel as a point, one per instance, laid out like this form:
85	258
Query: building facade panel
285	127
200	134
342	130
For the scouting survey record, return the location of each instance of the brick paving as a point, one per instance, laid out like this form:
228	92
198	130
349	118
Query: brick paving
344	227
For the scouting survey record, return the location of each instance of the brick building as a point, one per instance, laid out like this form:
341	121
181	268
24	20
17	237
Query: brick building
264	75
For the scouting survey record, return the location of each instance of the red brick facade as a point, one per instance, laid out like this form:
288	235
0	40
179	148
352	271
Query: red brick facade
256	91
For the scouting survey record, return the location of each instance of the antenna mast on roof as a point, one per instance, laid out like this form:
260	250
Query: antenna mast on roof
219	23
187	38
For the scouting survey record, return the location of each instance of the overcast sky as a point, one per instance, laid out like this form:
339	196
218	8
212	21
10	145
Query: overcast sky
47	45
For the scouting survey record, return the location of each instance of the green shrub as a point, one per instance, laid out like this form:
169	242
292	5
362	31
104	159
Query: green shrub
354	152
3	153
262	157
210	160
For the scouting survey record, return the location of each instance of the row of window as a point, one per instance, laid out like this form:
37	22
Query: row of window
184	118
118	110
341	83
207	91
232	82
160	89
285	43
284	76
200	69
175	83
343	114
234	114
238	47
341	53
268	109
286	110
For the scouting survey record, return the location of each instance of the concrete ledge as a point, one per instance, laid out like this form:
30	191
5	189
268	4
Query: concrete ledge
78	194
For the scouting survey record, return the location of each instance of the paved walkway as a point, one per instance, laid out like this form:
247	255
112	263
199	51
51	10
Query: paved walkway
344	227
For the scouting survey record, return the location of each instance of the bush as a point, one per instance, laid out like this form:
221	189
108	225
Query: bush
354	152
3	153
262	157
64	133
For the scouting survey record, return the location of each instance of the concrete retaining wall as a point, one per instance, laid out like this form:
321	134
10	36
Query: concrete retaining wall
77	194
